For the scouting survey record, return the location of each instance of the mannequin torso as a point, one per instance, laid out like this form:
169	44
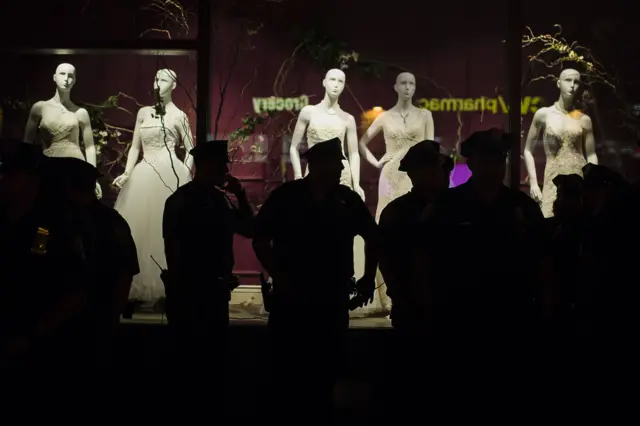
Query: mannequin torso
61	122
567	136
325	121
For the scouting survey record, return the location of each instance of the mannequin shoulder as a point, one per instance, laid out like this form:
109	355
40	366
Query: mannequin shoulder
144	112
307	111
586	121
37	107
424	112
540	115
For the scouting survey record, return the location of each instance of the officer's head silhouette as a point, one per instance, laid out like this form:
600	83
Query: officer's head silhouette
74	178
486	152
325	161
425	166
211	159
20	167
569	200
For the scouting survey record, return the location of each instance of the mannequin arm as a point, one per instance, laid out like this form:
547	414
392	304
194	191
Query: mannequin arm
187	138
87	136
134	151
371	133
589	141
31	129
354	155
298	134
429	129
534	131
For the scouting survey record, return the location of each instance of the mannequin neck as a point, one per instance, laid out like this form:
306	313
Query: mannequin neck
165	100
403	104
330	101
62	96
566	102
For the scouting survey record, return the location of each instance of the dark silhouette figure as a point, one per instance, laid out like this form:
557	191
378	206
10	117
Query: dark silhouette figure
304	240
44	276
429	172
606	303
199	225
481	256
109	251
564	244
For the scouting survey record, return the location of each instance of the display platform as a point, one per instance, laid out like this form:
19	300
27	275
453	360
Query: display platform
252	314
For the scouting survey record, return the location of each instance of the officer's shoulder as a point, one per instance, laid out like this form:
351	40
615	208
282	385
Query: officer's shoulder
177	199
287	189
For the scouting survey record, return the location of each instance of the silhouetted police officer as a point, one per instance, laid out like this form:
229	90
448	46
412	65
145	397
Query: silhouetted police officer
483	253
43	273
199	225
429	172
109	250
304	240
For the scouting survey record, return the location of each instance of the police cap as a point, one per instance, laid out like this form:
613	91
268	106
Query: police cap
16	155
492	142
597	175
421	154
212	150
568	183
72	170
325	150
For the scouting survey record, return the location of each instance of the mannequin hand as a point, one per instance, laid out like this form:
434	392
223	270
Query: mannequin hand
120	180
98	191
296	177
359	191
381	163
535	192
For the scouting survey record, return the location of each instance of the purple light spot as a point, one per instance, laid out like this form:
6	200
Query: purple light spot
459	175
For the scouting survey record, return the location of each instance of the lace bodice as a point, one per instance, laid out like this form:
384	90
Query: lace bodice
562	137
323	127
156	138
65	128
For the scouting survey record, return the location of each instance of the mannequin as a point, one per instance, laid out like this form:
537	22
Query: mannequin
567	135
63	122
147	184
403	126
325	121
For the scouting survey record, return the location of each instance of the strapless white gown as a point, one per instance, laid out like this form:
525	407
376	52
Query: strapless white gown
141	204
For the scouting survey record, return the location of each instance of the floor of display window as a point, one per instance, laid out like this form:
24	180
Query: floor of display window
253	315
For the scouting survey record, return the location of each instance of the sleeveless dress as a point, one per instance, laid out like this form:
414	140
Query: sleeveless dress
141	204
563	137
64	134
393	183
398	139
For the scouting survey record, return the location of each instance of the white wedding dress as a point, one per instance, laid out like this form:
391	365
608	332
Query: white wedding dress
141	203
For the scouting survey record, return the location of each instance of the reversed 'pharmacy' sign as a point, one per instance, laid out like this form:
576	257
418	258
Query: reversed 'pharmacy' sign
528	105
274	104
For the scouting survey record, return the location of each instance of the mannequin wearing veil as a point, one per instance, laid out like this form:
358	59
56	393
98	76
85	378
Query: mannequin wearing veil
147	184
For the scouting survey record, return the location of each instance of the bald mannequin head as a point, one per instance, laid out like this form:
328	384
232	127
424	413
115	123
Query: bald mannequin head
65	77
334	82
569	83
405	86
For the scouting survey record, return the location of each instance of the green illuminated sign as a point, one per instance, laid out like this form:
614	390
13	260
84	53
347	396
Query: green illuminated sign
273	104
528	105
